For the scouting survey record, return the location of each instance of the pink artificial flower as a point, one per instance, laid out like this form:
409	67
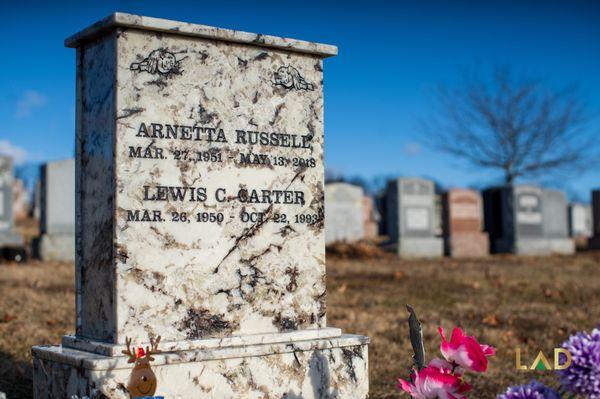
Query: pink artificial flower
465	351
436	381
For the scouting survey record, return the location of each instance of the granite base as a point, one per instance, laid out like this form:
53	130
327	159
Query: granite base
315	368
593	242
471	245
420	247
10	239
537	246
55	247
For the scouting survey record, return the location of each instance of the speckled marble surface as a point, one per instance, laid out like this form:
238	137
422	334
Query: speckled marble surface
108	349
213	234
200	218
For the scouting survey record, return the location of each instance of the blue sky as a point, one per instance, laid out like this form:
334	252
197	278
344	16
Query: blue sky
391	57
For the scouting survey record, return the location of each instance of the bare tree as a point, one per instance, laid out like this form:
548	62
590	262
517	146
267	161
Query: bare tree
521	128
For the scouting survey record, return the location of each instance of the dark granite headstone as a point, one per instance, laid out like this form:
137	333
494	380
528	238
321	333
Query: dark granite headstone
525	219
594	241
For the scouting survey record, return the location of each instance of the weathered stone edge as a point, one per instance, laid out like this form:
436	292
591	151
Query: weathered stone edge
92	361
124	20
107	349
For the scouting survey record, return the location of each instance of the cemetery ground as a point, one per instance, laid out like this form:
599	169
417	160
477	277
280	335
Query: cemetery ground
506	301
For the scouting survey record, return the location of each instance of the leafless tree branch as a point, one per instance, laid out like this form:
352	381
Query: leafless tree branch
519	127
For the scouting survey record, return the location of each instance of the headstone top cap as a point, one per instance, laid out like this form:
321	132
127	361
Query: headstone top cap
460	190
525	187
413	178
342	184
123	20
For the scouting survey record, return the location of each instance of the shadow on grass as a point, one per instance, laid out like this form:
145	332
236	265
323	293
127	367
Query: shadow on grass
16	377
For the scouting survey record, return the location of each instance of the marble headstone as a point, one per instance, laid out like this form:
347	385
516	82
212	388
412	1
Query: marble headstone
8	237
343	213
200	218
411	220
518	220
556	222
57	216
580	220
463	224
594	240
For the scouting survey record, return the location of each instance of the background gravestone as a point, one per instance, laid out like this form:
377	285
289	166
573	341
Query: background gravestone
594	241
199	218
8	237
518	220
410	219
463	224
371	218
343	213
556	222
580	220
580	224
57	216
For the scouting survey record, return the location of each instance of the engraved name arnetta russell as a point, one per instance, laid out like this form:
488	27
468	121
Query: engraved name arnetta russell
290	78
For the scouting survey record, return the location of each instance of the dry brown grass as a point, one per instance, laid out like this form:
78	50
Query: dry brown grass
37	307
505	301
359	250
534	303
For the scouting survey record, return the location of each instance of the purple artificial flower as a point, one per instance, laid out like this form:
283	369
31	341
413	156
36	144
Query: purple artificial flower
533	390
583	376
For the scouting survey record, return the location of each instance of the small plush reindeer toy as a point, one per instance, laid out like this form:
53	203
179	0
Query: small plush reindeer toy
142	380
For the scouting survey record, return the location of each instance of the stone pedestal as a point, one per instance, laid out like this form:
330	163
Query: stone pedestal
539	246
56	247
420	247
199	220
544	246
10	239
467	245
276	365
